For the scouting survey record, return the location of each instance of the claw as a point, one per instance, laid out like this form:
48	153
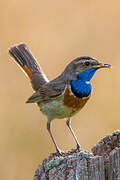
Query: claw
78	147
59	151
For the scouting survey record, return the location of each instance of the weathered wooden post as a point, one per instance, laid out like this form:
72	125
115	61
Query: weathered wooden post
102	164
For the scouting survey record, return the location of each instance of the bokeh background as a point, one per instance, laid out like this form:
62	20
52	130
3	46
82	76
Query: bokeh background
56	32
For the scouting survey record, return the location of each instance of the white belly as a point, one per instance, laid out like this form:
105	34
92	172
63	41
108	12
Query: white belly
63	106
55	109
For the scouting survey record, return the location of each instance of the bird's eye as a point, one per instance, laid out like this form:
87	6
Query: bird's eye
87	63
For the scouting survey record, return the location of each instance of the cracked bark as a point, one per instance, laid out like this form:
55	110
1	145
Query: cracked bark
102	164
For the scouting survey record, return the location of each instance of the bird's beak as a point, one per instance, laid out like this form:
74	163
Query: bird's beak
102	66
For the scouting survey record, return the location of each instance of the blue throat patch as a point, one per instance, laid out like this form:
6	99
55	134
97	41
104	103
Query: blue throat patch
82	86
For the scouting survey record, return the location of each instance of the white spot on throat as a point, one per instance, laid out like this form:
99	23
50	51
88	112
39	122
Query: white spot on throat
87	82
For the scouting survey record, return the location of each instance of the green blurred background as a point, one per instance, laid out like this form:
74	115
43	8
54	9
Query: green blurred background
56	32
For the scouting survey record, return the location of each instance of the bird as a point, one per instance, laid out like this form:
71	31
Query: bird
64	96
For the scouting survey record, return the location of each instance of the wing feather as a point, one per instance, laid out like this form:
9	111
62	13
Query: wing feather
47	92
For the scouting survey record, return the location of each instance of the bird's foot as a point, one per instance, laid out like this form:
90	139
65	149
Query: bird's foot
78	147
59	151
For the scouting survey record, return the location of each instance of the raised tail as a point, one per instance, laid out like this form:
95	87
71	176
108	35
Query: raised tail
28	63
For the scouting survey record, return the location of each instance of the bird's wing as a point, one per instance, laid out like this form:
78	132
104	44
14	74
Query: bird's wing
47	92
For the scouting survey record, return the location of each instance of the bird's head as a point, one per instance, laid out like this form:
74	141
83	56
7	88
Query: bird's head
84	68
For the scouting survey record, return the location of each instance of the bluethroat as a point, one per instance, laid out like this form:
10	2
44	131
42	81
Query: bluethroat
65	95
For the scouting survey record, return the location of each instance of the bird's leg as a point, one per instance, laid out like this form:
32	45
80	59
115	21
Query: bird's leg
50	132
68	121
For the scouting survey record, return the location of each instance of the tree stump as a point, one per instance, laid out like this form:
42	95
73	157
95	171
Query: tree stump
102	164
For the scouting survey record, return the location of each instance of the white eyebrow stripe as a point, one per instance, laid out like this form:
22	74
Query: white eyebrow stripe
77	62
82	61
